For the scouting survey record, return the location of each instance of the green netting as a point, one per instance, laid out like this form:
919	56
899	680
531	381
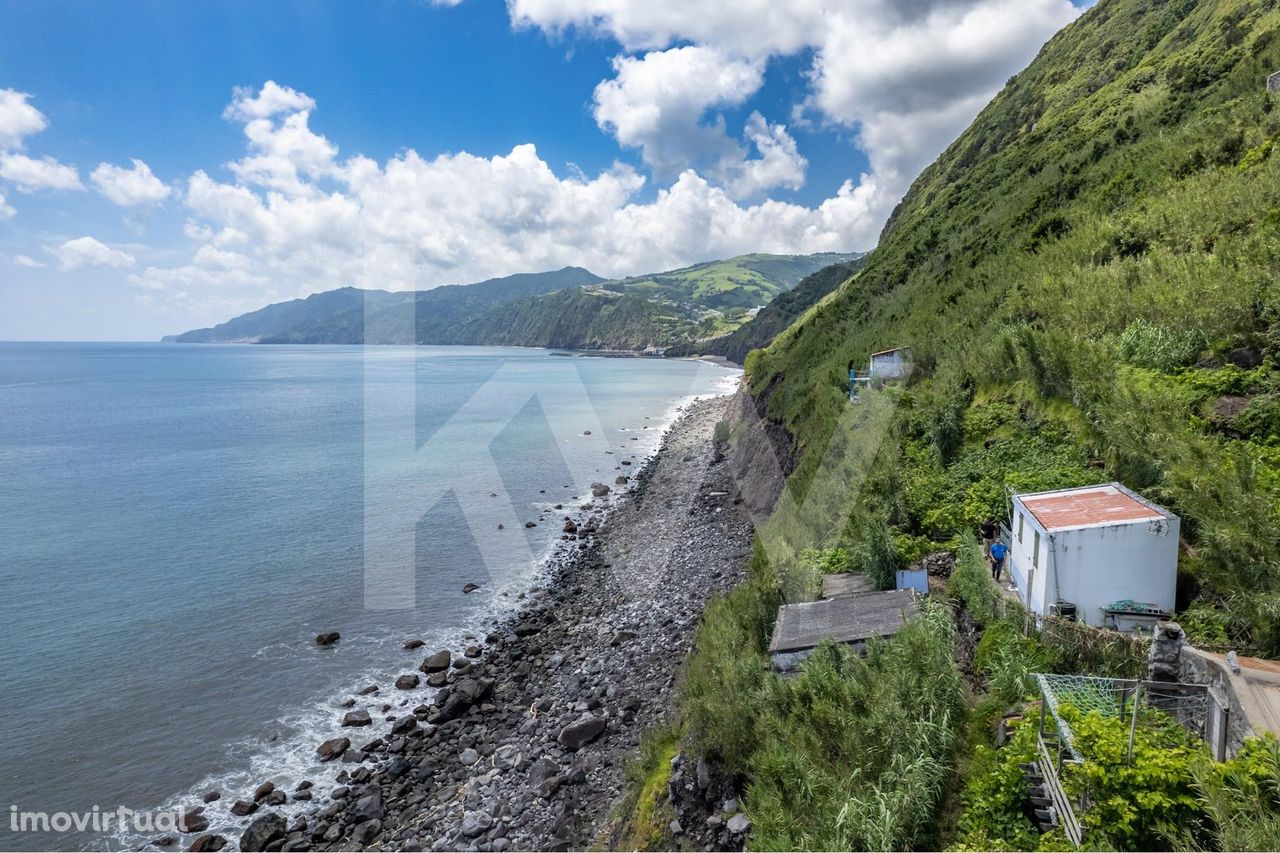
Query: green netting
1107	696
1083	692
1127	605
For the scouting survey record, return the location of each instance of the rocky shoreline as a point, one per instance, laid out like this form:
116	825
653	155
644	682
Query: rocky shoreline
522	745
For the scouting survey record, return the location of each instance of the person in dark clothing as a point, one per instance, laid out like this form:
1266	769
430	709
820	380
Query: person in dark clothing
998	552
988	532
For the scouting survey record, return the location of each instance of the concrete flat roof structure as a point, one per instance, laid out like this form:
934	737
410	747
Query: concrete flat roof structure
845	585
801	627
1071	509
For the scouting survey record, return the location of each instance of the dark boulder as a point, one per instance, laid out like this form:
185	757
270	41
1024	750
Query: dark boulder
332	748
541	770
410	645
368	806
437	662
263	831
407	682
194	821
208	843
578	734
357	718
241	808
328	638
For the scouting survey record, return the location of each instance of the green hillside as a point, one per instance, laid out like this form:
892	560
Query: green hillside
744	282
671	309
281	317
785	308
426	316
1089	278
575	318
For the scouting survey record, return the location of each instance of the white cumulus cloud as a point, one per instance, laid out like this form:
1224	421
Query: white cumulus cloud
129	187
272	98
88	252
663	103
905	76
30	174
25	261
657	103
6	210
297	217
18	118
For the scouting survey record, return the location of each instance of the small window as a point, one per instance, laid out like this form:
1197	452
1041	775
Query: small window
1021	517
1035	551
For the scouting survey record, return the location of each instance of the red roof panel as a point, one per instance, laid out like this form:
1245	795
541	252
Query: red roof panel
1084	507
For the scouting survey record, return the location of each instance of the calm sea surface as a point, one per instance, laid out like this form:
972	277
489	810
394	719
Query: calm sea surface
177	523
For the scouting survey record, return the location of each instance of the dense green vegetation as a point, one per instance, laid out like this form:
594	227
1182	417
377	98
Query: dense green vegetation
1088	280
833	755
569	309
1170	794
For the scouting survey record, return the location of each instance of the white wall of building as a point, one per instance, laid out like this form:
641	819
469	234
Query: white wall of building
890	365
1093	567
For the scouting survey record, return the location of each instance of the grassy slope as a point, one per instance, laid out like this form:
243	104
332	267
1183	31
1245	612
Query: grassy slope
760	330
747	281
1086	259
664	309
574	319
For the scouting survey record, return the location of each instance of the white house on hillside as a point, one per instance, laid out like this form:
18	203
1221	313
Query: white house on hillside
884	366
1104	549
890	364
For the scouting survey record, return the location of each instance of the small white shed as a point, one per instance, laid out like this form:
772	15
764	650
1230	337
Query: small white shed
1108	551
890	364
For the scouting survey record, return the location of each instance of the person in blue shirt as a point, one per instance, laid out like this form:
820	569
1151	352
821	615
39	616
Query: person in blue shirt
999	551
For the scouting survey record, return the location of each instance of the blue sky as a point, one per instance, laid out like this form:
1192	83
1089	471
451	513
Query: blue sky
287	148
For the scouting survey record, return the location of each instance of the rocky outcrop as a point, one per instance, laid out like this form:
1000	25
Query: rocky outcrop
760	457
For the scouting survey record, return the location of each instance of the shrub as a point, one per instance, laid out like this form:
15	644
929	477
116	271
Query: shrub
729	664
1132	801
1145	344
855	752
1241	798
994	799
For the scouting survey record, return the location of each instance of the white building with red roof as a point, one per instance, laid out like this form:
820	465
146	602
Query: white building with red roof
1102	553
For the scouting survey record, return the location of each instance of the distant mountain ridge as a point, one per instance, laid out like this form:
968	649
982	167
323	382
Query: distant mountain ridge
347	315
570	308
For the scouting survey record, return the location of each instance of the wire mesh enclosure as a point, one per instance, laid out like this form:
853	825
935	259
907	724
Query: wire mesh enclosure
1189	704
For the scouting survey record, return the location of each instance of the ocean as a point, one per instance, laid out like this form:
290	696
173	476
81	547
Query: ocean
178	523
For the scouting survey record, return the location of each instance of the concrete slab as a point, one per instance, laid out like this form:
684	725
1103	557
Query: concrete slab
846	620
845	585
